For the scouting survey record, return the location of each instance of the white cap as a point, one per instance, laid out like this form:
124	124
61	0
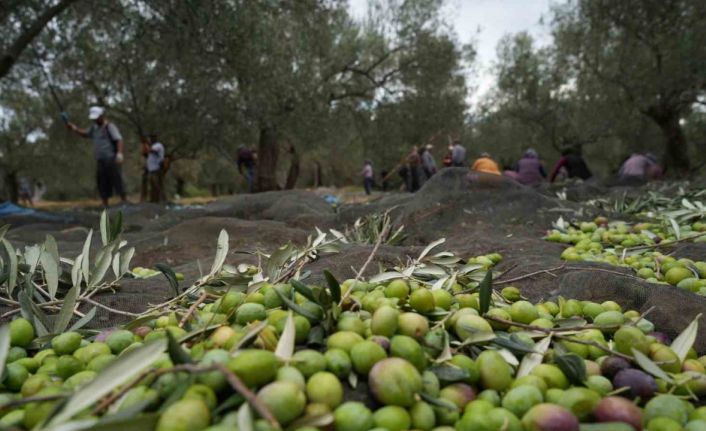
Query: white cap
95	112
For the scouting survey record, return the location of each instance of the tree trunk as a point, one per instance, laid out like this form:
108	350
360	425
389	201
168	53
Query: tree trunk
12	185
676	158
293	173
317	174
267	159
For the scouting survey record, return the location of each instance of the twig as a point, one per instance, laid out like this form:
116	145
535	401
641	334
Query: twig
243	390
596	345
23	401
531	274
664	244
232	379
112	310
192	309
557	331
575	268
548	330
385	229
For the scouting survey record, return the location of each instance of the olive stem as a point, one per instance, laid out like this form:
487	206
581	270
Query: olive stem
23	401
383	233
243	390
531	274
556	331
192	309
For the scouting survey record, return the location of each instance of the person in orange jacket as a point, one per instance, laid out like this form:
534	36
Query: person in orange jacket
486	165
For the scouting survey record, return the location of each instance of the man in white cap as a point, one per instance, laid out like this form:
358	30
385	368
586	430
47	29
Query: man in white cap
108	149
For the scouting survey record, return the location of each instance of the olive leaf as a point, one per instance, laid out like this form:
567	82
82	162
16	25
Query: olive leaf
286	342
316	337
573	367
318	421
86	253
535	358
104	227
245	419
12	258
439	402
250	336
221	252
122	370
116	227
430	247
333	286
80	323
385	276
50	266
449	372
176	353
170	275
649	366
125	258
67	311
486	290
4	345
353	379
304	290
686	339
296	307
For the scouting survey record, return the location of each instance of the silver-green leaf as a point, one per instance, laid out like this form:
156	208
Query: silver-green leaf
124	369
686	339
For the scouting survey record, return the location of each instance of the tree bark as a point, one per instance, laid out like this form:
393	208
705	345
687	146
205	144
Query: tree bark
676	157
12	185
267	155
13	52
317	174
293	173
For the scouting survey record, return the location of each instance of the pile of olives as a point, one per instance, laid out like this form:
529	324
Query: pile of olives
601	241
394	355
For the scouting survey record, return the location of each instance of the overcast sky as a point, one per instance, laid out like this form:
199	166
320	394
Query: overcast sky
486	21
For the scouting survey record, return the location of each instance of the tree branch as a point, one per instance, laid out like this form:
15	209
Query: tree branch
10	56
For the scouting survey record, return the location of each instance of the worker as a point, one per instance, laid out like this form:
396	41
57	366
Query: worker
640	166
573	163
108	151
486	165
155	169
529	170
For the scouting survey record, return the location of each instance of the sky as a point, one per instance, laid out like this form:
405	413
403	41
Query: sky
485	22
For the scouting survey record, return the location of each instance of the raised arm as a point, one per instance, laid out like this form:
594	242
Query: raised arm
81	132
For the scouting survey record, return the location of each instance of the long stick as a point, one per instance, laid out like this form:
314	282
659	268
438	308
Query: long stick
52	90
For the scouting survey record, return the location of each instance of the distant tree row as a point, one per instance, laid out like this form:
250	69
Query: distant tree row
303	82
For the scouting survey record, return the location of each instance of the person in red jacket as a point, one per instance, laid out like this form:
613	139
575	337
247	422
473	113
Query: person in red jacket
574	164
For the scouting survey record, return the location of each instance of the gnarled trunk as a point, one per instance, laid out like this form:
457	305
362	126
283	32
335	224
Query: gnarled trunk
267	154
293	173
13	185
676	157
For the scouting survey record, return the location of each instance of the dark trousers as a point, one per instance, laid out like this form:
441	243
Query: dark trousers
109	178
368	184
155	179
144	186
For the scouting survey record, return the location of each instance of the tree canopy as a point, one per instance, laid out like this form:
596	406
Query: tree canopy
304	82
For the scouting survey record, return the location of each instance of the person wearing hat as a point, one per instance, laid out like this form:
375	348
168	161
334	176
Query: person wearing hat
428	162
108	150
